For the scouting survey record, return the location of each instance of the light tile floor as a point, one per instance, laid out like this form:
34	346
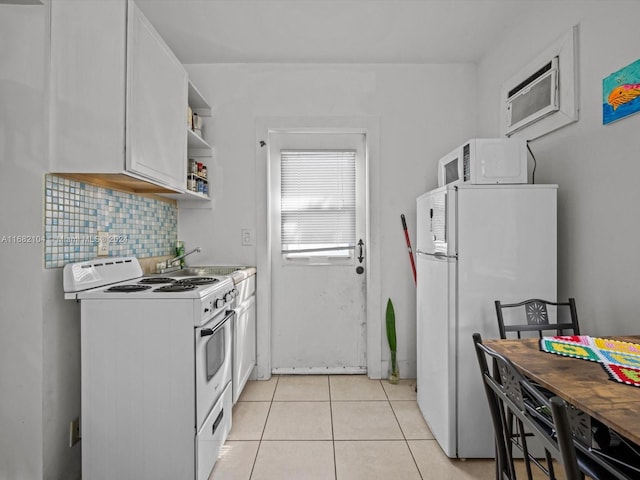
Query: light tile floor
335	427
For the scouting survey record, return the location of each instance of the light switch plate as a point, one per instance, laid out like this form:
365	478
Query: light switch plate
247	236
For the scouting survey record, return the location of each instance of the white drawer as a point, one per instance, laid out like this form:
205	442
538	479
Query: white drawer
213	434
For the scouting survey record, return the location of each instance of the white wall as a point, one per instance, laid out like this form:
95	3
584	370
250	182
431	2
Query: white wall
61	382
423	110
597	167
39	331
23	160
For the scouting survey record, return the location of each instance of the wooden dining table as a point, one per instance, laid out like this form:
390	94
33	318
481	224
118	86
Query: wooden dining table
584	384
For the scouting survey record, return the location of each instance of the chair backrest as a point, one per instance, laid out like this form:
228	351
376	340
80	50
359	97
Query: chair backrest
504	466
510	393
533	316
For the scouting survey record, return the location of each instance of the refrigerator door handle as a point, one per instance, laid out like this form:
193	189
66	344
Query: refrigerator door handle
438	255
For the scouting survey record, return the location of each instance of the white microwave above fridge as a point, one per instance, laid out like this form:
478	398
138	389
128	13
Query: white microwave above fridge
485	161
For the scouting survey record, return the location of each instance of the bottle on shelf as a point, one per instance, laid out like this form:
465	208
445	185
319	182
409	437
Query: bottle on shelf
197	124
197	177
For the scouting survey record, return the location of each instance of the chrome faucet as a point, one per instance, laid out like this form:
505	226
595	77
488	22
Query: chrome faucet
173	260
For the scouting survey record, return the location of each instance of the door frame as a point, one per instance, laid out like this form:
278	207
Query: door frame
368	126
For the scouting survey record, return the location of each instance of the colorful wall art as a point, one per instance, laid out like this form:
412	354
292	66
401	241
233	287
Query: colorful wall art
621	93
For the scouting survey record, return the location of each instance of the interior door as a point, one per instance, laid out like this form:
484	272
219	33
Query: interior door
318	289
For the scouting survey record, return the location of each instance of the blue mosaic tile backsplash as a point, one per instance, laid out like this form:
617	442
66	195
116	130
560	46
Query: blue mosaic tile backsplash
76	211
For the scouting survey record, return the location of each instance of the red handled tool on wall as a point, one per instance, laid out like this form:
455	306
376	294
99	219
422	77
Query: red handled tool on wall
406	236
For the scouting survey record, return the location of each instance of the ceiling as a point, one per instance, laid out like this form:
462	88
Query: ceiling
334	31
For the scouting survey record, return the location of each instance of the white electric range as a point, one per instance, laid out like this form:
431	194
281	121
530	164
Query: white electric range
156	370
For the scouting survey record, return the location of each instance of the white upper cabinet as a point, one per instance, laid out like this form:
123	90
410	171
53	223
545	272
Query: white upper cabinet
88	86
118	95
157	86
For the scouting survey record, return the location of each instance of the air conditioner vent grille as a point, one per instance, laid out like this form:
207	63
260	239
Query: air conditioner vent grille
529	80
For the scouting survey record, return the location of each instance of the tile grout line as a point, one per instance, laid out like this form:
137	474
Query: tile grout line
333	436
333	439
255	460
401	430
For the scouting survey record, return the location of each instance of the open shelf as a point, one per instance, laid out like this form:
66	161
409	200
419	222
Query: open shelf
197	102
196	141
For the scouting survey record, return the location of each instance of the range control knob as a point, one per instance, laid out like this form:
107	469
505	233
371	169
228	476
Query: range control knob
235	292
218	303
228	297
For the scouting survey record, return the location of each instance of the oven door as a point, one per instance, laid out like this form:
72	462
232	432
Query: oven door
213	363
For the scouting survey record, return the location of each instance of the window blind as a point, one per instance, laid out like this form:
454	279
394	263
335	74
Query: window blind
318	199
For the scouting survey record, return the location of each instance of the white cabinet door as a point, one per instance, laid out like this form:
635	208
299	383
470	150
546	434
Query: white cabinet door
156	105
87	89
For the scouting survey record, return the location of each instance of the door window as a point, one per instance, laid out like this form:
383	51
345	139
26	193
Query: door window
318	205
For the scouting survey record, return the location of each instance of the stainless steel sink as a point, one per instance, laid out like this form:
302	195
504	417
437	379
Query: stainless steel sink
203	271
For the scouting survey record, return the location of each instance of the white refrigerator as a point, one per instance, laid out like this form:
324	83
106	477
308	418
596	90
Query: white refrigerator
475	244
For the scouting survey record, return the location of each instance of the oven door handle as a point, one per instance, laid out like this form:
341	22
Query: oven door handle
205	332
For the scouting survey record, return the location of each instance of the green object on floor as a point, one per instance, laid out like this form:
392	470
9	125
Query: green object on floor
391	338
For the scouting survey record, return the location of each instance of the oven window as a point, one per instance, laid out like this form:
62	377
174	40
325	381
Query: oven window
215	353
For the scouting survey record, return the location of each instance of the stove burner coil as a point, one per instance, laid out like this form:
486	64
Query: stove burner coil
176	288
196	281
155	280
127	288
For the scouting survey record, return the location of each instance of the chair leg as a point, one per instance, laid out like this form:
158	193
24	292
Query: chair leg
552	475
509	446
508	434
504	467
522	434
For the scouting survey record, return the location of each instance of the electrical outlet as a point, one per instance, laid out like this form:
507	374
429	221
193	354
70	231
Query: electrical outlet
247	236
103	243
74	432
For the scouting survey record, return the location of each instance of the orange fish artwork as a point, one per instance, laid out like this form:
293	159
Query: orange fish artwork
623	94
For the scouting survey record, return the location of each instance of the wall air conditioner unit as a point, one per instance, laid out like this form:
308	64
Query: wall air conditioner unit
533	98
543	95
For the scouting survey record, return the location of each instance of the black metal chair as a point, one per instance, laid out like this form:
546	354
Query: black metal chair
512	398
504	463
506	391
565	432
600	453
533	316
536	313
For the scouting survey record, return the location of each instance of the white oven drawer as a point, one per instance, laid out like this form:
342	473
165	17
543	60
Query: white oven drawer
212	435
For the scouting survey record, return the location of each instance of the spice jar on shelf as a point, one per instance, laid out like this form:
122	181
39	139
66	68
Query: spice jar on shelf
197	124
